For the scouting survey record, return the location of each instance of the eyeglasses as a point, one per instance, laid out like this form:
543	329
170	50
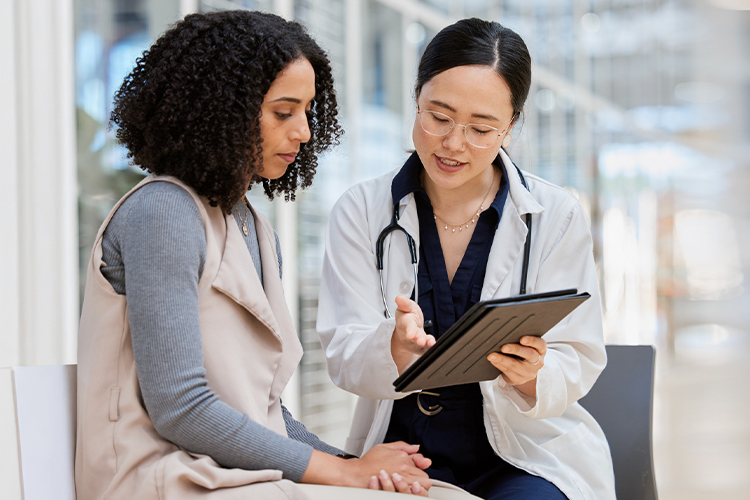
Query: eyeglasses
477	134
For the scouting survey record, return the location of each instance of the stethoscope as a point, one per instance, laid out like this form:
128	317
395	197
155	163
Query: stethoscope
395	226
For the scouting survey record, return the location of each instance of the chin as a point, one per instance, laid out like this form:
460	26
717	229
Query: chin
273	172
274	177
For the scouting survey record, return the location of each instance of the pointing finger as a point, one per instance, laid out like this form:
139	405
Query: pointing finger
404	303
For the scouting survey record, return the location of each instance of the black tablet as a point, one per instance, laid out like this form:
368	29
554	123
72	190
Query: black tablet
460	354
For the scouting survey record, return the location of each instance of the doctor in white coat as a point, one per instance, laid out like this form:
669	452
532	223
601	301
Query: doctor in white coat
464	204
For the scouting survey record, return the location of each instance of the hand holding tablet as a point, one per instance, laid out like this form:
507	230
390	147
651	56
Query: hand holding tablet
460	355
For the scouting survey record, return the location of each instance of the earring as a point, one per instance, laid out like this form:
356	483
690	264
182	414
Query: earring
506	141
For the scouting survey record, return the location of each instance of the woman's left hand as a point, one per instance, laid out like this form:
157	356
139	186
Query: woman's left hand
395	483
521	370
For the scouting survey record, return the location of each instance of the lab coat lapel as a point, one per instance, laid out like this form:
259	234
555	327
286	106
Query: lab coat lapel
521	198
274	290
238	279
409	218
507	246
506	251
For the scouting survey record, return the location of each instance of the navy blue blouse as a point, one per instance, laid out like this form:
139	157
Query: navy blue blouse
444	302
454	438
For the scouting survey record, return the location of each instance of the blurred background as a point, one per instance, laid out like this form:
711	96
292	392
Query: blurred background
641	108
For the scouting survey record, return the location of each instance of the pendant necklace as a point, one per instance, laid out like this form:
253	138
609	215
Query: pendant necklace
243	221
472	219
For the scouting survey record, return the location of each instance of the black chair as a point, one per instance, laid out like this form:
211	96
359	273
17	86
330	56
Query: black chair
622	402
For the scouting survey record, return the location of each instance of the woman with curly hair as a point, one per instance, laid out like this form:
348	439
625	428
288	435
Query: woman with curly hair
186	341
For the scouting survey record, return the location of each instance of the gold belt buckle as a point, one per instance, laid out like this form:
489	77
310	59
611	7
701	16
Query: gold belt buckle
431	410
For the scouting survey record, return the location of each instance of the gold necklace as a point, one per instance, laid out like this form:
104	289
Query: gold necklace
473	218
244	225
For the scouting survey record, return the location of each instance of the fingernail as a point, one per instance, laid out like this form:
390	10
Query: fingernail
396	476
416	487
383	474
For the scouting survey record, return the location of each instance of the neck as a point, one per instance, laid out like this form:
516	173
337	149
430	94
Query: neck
457	202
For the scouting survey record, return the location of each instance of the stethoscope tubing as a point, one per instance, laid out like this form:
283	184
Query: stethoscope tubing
527	243
380	251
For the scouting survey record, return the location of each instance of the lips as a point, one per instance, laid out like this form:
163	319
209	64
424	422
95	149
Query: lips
448	164
288	157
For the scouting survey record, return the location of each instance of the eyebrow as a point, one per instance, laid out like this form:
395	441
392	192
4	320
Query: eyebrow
288	99
450	108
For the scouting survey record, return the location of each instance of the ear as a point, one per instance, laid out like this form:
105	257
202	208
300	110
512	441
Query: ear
514	120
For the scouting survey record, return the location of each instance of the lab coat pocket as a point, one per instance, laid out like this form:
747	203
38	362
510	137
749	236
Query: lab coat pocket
566	443
581	445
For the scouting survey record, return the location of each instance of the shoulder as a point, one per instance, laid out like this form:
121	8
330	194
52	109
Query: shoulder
549	195
162	198
366	194
161	211
148	199
560	205
563	217
167	189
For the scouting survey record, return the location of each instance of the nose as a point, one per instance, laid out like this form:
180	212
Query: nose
455	139
301	129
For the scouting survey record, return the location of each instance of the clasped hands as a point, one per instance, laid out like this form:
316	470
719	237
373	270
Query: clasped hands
405	466
519	363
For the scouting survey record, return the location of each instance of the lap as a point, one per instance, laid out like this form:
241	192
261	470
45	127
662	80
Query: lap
514	485
320	492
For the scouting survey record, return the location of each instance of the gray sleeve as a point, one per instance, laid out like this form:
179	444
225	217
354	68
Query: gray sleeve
297	431
161	244
278	253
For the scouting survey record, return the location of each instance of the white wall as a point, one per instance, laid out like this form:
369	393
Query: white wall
38	192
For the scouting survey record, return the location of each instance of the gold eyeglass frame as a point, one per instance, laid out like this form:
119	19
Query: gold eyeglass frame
454	124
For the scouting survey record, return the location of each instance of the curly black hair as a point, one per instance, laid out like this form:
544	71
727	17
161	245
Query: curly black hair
191	106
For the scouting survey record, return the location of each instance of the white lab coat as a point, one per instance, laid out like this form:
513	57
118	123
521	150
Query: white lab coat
551	436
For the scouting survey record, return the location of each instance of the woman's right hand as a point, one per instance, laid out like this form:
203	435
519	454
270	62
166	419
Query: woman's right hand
396	467
409	337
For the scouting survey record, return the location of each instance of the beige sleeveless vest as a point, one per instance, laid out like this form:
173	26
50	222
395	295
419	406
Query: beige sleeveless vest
250	351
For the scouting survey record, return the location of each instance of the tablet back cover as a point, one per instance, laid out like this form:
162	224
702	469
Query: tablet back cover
460	356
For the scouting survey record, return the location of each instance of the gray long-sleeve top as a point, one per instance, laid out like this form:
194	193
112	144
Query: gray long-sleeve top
155	250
